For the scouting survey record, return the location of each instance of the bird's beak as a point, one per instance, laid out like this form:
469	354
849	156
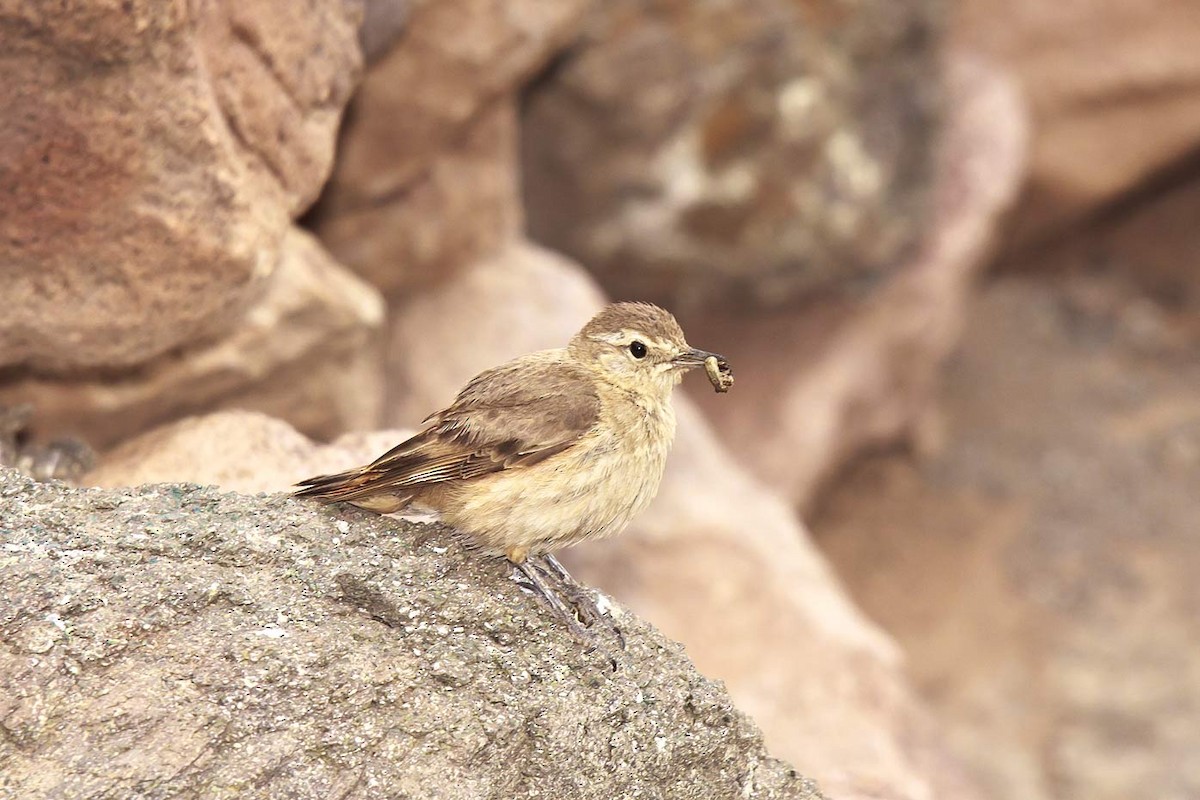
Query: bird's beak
690	359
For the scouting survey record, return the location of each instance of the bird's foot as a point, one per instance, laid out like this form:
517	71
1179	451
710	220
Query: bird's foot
535	582
581	598
578	613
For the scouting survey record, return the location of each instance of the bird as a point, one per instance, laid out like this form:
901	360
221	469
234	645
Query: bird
548	450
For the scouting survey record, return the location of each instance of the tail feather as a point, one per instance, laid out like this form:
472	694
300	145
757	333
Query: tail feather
340	487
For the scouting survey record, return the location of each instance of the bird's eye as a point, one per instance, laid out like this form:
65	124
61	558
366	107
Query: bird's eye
637	349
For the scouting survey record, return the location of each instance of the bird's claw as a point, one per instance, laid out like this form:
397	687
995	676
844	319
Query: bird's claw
579	612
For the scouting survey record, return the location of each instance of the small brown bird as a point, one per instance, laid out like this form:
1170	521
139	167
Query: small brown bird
548	450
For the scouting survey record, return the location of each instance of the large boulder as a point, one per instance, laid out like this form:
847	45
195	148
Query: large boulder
153	155
759	149
177	641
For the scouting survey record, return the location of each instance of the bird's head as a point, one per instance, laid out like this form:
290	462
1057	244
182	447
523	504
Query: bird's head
638	347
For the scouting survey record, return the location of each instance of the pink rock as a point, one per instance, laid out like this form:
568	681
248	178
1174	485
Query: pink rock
426	175
243	451
1112	89
307	352
153	156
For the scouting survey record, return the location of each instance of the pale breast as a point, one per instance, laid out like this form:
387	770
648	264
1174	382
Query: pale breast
589	491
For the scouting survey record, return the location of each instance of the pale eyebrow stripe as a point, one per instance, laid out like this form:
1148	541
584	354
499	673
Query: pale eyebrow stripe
628	334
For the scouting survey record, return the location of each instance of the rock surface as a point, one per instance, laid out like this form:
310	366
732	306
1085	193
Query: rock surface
759	148
1040	568
153	155
464	205
426	179
209	644
61	459
308	352
850	375
1152	244
1114	86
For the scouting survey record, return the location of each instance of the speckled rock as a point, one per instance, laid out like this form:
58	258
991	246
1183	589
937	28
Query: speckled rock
760	148
152	156
218	645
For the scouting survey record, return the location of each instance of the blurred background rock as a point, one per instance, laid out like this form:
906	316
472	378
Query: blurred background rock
950	249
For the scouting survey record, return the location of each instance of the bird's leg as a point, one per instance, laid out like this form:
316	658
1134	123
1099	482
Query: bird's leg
558	569
580	596
547	594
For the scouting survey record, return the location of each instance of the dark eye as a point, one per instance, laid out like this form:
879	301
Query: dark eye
637	349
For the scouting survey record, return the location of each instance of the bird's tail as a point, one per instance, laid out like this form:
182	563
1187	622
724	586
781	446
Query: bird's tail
360	486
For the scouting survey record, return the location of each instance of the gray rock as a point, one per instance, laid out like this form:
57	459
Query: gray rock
177	641
750	149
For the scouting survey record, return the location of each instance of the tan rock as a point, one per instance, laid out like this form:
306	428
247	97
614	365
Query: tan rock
243	451
763	149
426	173
846	376
464	206
1113	89
153	156
308	352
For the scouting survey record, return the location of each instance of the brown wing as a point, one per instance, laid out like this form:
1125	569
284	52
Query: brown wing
512	416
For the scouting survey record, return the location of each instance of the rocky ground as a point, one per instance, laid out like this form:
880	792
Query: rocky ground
1038	566
205	644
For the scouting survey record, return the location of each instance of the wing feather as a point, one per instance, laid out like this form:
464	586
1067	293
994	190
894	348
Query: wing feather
509	417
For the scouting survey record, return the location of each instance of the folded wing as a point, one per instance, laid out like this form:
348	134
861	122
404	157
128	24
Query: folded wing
506	418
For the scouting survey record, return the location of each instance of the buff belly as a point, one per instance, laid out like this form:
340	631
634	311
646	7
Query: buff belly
587	492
